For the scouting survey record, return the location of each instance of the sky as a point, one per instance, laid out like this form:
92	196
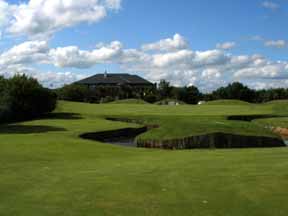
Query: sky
186	42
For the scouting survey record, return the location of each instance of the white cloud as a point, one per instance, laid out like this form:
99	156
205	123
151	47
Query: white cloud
210	58
274	70
276	43
178	58
4	10
270	5
50	79
211	73
170	44
27	52
207	69
44	17
270	43
226	45
72	56
258	84
54	79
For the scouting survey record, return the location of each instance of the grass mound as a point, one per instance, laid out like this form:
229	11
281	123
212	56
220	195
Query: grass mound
170	101
276	102
129	101
227	102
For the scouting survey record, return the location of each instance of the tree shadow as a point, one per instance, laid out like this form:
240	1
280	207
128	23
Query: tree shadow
250	118
28	129
62	115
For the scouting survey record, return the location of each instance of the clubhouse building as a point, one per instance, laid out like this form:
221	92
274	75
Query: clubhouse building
116	80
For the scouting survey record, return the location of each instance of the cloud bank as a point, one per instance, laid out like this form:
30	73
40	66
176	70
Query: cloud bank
44	17
276	43
172	59
270	5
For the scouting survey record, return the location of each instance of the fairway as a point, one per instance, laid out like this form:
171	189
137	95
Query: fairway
47	169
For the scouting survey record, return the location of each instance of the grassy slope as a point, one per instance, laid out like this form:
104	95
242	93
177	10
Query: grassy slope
48	170
226	102
129	101
283	102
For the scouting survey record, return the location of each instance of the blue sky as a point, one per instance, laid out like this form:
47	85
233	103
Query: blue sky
216	42
203	22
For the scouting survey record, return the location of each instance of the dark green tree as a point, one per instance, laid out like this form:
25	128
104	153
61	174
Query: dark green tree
235	90
3	87
74	92
193	95
24	98
164	89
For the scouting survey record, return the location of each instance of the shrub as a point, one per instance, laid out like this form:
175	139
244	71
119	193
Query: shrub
150	98
74	92
24	98
107	99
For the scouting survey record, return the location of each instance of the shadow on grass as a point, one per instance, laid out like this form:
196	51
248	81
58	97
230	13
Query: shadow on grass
28	129
62	115
250	118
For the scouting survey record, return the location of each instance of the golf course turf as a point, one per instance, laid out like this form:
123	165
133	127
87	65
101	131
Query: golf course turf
47	169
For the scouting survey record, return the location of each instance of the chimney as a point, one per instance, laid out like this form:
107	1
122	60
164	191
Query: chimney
105	74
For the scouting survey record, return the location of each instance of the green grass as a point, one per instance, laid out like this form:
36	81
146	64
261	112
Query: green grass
129	101
283	102
226	102
274	122
46	169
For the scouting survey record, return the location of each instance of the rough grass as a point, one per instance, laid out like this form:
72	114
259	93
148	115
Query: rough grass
129	101
280	102
274	122
46	169
227	102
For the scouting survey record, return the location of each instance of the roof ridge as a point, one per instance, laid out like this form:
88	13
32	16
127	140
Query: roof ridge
114	78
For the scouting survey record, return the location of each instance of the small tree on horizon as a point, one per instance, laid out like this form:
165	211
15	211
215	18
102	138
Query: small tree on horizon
164	89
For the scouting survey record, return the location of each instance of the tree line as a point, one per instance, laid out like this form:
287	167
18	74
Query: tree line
23	98
164	90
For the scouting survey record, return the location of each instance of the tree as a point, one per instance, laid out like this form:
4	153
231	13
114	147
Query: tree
266	95
24	98
3	86
164	89
235	90
74	92
193	95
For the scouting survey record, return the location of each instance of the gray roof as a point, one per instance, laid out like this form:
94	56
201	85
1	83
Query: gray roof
114	79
